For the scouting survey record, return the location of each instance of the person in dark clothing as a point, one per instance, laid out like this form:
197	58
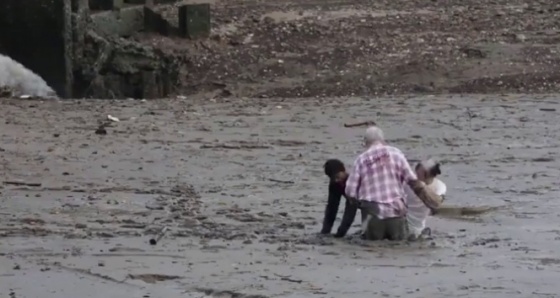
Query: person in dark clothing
335	170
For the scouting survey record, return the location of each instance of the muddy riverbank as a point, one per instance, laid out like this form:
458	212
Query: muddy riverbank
363	48
240	185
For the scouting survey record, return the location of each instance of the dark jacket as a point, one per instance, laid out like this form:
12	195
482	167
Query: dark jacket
336	191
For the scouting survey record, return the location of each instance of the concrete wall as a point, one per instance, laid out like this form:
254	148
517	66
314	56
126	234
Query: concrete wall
78	52
123	22
37	33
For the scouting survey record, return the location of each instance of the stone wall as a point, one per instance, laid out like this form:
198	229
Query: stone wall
123	22
37	33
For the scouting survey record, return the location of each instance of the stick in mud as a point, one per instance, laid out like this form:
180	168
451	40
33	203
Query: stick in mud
160	235
281	181
21	183
359	124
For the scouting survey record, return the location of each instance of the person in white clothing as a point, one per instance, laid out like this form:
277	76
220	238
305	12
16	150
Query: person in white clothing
418	212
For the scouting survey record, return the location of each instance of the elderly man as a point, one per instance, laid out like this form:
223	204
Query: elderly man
377	181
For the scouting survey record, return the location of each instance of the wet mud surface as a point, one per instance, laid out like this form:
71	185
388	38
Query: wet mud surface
239	184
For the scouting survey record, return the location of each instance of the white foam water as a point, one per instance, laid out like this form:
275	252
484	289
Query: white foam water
22	82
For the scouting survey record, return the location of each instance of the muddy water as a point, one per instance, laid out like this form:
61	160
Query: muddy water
240	186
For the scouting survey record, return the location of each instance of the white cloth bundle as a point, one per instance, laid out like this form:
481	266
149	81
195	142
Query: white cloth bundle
417	211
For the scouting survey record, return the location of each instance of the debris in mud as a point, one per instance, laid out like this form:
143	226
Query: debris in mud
281	181
113	118
226	294
101	130
22	183
161	234
124	249
291	143
542	159
153	278
238	146
288	278
32	221
105	235
133	226
361	124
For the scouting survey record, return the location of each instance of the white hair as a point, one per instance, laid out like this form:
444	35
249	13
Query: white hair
432	166
374	134
428	164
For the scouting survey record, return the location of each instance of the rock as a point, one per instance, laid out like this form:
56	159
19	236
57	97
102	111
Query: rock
80	226
520	37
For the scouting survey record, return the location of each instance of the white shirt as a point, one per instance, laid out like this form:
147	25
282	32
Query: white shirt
417	211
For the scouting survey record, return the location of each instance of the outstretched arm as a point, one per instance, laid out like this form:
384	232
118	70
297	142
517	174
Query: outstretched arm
429	197
347	219
331	210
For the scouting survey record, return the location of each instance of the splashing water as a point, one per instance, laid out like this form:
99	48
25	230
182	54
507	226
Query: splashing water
19	81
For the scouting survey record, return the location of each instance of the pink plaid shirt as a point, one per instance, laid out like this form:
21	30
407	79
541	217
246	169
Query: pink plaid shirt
379	175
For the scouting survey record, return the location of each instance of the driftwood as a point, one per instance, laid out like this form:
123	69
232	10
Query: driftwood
231	146
22	183
360	124
281	181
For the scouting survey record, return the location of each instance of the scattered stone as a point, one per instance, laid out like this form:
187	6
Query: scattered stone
80	226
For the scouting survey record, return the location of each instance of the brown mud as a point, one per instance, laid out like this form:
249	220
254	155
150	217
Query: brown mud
239	184
364	48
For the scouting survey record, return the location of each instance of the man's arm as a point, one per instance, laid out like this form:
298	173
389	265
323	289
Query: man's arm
429	197
353	182
332	209
347	219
